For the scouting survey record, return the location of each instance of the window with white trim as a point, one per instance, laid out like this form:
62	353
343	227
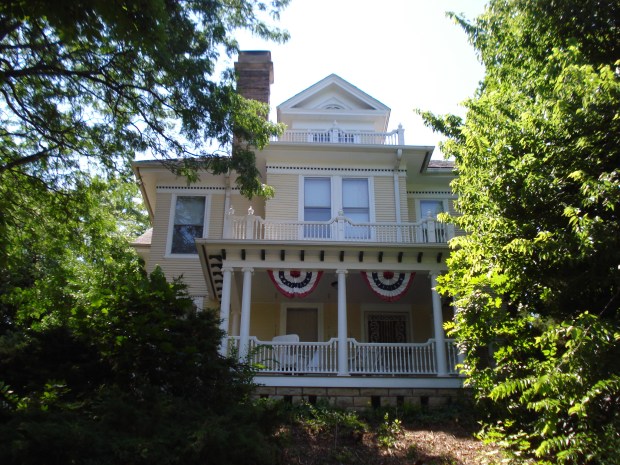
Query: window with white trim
317	199
188	223
325	197
356	207
430	208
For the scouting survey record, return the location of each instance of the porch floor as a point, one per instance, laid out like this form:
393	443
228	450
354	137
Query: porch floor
359	393
374	381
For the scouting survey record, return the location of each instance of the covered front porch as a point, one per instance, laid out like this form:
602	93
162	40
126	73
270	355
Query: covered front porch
363	358
341	329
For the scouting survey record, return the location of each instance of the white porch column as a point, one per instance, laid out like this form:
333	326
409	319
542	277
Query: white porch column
236	322
225	309
244	330
440	340
343	353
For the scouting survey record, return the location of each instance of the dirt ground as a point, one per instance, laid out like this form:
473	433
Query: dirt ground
437	444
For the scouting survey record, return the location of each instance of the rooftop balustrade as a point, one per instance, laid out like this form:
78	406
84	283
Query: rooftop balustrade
342	136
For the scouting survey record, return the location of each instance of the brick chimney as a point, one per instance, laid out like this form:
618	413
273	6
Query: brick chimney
254	74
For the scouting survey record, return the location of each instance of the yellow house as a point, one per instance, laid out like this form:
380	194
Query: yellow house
329	285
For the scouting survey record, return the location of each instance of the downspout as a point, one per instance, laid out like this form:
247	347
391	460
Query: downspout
399	155
227	203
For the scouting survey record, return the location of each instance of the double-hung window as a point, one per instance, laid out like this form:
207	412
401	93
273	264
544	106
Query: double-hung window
188	223
356	207
429	209
325	197
317	207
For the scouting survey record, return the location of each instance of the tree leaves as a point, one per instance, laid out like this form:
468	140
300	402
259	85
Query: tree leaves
536	279
95	83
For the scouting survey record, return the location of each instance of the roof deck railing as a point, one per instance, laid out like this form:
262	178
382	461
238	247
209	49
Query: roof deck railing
337	135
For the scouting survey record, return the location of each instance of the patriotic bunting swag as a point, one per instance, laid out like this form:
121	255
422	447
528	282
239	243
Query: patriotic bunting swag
388	285
295	283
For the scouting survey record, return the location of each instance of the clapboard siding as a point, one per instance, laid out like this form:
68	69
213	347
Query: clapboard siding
285	203
188	267
385	210
216	216
160	228
404	205
413	217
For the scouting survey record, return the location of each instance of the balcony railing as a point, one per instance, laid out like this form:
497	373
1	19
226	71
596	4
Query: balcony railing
364	358
340	228
342	136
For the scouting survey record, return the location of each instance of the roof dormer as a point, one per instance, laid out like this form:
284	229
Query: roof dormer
334	102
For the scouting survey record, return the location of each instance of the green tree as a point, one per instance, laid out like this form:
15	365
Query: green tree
100	363
536	279
90	83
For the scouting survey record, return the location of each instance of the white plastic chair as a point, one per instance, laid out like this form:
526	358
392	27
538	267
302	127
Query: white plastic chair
286	356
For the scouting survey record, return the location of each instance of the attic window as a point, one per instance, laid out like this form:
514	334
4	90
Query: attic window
333	106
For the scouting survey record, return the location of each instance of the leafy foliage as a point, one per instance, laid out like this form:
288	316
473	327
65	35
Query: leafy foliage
328	421
90	83
389	431
536	278
101	363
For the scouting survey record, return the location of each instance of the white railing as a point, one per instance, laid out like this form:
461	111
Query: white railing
364	358
392	359
291	357
342	136
339	228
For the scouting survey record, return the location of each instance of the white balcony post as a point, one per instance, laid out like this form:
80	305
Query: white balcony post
343	356
225	309
333	133
244	330
430	229
249	225
340	225
440	340
401	135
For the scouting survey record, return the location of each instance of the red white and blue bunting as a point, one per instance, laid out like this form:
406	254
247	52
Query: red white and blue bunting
295	283
388	285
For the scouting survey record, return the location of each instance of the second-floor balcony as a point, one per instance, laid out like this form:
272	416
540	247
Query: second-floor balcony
337	135
340	228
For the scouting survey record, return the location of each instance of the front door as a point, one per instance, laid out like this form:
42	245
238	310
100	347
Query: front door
387	327
303	321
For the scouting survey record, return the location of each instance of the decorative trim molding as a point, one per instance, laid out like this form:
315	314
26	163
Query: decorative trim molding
331	170
176	189
429	193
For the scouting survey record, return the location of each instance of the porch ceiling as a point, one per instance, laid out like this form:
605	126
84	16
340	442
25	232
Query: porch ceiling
358	291
216	254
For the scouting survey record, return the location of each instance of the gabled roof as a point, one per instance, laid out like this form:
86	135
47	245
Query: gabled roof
321	93
335	98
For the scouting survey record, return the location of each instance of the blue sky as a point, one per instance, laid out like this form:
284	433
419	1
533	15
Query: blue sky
405	53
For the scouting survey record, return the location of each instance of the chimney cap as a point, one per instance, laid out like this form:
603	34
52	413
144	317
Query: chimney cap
255	60
254	56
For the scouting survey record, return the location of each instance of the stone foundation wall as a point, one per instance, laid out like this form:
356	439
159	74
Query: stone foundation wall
362	398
